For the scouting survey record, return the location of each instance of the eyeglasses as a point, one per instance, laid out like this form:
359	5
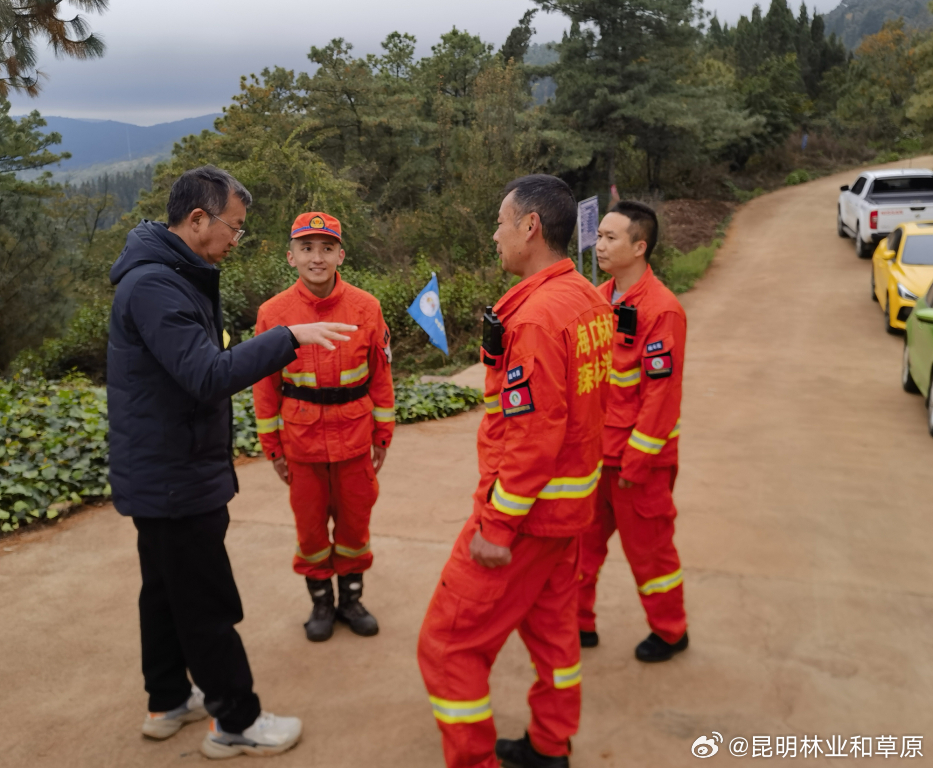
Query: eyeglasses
239	232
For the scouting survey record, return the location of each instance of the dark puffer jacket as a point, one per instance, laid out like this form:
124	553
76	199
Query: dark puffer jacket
169	379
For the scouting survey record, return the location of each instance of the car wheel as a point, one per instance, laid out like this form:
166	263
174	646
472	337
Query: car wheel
930	409
840	227
907	381
862	249
887	318
874	296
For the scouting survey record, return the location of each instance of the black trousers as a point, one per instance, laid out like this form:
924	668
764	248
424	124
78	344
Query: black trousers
188	607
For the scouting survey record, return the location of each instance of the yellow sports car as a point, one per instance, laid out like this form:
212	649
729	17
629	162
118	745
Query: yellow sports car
902	270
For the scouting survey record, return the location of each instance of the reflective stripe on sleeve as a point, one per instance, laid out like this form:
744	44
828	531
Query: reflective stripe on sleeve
317	557
509	503
675	432
384	414
349	377
268	426
645	443
572	487
626	378
662	583
492	404
301	378
568	677
453	712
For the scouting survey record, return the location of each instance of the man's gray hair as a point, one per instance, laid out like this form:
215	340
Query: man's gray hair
208	188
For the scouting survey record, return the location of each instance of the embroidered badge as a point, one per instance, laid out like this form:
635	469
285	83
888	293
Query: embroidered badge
654	346
514	374
517	401
316	223
659	366
385	337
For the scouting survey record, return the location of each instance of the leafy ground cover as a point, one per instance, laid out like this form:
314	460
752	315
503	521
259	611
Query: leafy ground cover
54	450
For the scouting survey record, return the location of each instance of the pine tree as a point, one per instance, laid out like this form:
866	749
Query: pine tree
22	21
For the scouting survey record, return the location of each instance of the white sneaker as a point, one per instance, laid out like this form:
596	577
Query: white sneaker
269	735
161	725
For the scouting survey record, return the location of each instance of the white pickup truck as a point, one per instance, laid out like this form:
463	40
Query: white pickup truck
880	200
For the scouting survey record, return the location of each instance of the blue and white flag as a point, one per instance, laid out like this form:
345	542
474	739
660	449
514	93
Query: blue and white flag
426	311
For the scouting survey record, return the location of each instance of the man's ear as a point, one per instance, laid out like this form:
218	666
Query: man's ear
641	247
343	255
198	218
532	225
291	258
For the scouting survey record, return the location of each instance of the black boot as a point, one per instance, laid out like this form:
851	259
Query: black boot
350	610
588	639
320	626
518	753
653	648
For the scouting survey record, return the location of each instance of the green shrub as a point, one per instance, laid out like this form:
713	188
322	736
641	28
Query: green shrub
679	271
888	157
416	401
53	448
800	176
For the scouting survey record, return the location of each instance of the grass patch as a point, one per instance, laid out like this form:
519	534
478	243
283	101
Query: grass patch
679	271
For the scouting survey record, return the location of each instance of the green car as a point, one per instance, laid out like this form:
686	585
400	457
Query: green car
917	370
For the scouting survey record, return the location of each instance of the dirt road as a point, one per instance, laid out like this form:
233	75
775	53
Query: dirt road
804	529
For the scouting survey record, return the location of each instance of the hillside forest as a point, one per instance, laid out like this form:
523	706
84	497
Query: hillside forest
653	97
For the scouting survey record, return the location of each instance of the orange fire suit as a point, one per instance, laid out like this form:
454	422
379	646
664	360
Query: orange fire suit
640	444
540	456
328	445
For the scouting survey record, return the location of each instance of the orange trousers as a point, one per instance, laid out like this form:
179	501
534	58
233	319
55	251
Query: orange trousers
344	491
644	516
472	613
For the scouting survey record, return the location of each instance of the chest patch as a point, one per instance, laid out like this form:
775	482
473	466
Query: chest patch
514	374
517	401
654	346
659	366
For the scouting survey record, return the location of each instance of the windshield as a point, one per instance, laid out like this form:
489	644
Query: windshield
903	184
918	249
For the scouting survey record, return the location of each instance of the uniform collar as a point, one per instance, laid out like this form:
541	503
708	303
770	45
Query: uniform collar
517	294
309	298
634	292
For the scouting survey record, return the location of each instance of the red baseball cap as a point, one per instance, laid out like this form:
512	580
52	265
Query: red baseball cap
316	223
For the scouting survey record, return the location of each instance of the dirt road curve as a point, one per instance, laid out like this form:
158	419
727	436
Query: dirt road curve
804	530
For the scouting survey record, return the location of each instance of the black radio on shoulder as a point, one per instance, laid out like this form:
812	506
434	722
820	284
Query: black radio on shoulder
492	337
628	319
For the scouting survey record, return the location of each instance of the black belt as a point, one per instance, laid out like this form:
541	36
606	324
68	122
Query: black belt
325	395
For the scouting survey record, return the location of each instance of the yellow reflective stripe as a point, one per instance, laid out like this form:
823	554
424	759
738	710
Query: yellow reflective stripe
675	432
452	712
492	404
384	414
572	487
626	378
662	583
347	552
226	339
645	443
568	676
267	426
316	557
301	378
509	503
349	377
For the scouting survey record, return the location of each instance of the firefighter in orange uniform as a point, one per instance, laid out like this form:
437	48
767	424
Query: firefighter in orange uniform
515	564
641	435
326	422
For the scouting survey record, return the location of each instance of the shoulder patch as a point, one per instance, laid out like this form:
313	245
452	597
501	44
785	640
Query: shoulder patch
659	366
517	401
514	374
655	346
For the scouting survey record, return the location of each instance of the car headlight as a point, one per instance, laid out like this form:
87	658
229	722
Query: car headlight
905	294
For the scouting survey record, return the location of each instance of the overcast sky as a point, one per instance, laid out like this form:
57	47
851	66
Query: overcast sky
169	59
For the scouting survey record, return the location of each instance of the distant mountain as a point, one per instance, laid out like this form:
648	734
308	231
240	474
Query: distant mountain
99	146
852	20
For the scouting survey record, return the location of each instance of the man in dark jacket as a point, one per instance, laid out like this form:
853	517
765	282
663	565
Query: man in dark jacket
169	382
